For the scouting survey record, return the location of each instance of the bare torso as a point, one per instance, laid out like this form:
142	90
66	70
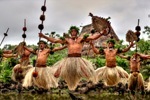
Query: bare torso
42	58
110	56
24	60
74	46
134	65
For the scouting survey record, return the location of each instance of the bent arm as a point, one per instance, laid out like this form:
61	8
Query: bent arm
53	40
128	48
144	56
7	51
59	48
94	37
9	55
29	49
97	35
124	57
94	49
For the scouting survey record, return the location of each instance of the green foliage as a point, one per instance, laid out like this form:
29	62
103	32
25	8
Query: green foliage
12	62
85	36
9	47
5	76
111	41
62	38
74	27
147	31
52	59
98	61
1	53
5	72
101	50
119	45
146	71
123	63
144	46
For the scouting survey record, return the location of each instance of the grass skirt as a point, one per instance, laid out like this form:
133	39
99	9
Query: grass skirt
111	76
148	86
136	81
19	72
45	78
72	69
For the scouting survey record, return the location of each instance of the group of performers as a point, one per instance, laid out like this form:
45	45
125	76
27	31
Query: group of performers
74	68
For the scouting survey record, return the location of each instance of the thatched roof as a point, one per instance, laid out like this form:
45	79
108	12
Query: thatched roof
88	28
99	42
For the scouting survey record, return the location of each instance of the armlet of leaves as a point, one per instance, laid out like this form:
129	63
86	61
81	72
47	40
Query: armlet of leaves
51	47
14	51
34	50
101	50
85	36
129	57
62	38
51	52
119	50
141	59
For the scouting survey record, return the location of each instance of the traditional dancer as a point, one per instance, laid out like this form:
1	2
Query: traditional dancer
7	54
19	70
73	67
42	75
136	81
111	73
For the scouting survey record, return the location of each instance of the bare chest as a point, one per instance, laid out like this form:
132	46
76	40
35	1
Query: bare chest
110	53
43	53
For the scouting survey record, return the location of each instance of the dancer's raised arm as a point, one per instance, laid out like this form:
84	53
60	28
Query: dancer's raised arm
94	48
51	39
128	48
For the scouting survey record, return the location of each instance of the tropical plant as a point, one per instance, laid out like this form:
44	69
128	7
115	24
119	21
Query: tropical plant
53	58
5	72
147	31
123	63
146	72
143	46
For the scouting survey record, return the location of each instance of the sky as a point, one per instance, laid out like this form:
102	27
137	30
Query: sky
61	14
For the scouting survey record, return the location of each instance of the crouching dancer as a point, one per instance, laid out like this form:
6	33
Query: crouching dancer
42	75
111	73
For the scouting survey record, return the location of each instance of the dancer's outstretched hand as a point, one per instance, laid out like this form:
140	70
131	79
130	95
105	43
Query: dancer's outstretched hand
41	35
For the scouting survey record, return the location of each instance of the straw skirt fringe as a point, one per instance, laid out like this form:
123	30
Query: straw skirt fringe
111	76
44	80
16	74
148	86
72	69
136	81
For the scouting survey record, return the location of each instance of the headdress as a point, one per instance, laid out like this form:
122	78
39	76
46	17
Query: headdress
73	27
111	40
42	41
